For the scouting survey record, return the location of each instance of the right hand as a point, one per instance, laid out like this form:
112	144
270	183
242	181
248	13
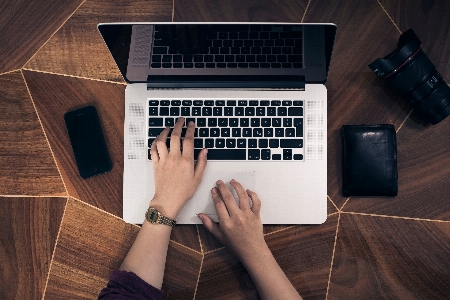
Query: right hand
240	228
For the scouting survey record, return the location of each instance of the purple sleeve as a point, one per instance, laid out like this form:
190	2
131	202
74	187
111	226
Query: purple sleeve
127	285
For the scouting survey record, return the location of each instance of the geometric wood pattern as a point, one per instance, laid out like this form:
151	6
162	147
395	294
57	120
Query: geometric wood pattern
29	229
369	248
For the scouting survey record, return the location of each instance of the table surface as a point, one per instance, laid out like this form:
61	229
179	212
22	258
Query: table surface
62	235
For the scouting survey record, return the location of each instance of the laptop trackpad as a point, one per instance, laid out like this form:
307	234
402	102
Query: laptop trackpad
246	178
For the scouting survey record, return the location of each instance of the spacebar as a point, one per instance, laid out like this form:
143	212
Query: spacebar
227	154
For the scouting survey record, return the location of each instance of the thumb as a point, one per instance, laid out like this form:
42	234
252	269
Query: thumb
201	164
211	226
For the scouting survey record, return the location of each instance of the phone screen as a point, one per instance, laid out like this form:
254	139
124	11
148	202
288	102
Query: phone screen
88	143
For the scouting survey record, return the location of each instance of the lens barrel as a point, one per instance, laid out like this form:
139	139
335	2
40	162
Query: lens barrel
410	72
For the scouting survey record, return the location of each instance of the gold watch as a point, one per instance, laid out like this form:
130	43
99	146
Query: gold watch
155	217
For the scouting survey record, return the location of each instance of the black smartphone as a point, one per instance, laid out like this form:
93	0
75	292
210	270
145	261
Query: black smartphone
88	142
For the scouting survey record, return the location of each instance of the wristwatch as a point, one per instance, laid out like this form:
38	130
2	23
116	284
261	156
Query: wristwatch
155	217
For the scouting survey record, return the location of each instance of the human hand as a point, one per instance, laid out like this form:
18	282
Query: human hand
176	179
240	228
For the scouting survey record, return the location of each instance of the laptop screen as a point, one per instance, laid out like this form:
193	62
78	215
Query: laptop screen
225	54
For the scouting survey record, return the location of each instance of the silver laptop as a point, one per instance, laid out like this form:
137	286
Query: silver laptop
256	93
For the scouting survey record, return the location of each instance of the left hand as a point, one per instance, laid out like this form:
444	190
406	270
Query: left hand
176	178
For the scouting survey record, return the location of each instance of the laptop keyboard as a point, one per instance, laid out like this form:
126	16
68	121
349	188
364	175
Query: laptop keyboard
228	46
235	129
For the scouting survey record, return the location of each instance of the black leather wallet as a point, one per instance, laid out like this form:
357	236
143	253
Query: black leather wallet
370	160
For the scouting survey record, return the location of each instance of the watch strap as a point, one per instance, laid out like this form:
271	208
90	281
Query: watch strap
155	217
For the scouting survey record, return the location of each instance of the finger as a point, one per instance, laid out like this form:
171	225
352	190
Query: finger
227	197
176	137
221	209
256	202
211	226
188	142
201	165
161	143
153	151
244	201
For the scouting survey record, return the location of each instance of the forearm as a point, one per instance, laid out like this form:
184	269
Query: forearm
269	278
147	256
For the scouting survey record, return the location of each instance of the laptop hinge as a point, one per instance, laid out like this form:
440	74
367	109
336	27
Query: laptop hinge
234	82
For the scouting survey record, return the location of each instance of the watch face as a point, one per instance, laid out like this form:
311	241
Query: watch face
154	216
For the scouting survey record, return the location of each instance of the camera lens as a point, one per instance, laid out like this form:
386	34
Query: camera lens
410	72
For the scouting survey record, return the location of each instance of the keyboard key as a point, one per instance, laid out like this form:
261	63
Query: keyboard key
204	132
286	103
154	131
282	111
223	122
169	122
150	142
276	122
254	154
214	132
164	103
196	111
242	103
260	111
265	122
227	154
163	111
212	122
201	122
231	102
255	122
185	111
291	143
206	111
153	103
198	143
298	124
290	132
257	132
225	132
275	103
287	122
155	122
188	65
298	103
287	154
175	102
174	111
265	154
276	156
198	102
264	103
249	111
246	132
208	102
228	111
298	156
252	143
271	111
245	122
239	111
268	132
236	132
295	111
242	143
263	143
279	132
159	50
274	143
233	122
187	102
253	102
220	103
209	143
220	143
231	143
209	58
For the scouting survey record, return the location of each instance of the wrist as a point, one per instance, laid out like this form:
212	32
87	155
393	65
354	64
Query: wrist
168	211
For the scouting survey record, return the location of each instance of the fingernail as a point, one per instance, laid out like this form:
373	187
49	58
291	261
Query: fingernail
214	191
200	217
232	181
205	151
191	124
219	182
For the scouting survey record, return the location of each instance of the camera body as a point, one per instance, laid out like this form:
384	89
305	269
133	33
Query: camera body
410	72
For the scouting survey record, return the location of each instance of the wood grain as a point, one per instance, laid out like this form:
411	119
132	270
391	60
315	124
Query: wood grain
303	252
78	49
355	95
29	227
241	11
423	17
385	258
26	25
26	163
68	93
92	243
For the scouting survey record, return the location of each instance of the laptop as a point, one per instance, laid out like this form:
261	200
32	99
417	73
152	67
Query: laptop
256	93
